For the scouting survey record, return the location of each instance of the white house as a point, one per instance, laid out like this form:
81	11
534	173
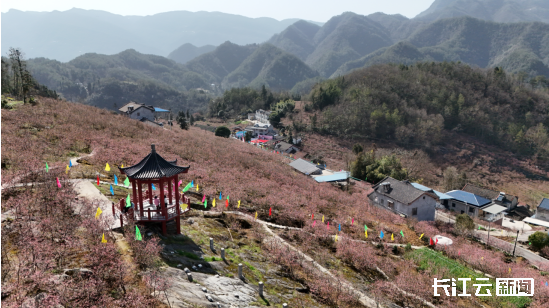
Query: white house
261	129
262	116
139	111
403	198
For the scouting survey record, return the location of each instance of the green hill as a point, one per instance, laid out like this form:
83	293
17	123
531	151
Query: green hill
220	62
271	66
297	39
187	52
518	47
425	104
104	81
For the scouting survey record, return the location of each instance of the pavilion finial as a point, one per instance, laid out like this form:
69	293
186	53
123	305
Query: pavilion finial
152	148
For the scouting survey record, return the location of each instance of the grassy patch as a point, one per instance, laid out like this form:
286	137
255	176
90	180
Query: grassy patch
448	268
187	254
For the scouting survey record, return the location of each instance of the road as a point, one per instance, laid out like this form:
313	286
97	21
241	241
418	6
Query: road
482	236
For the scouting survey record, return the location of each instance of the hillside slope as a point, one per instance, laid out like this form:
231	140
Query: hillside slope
270	66
187	52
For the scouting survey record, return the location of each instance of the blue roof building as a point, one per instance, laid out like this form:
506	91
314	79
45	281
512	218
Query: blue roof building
156	109
469	198
542	211
336	177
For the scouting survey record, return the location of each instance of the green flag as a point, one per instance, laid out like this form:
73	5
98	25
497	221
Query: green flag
127	182
187	187
479	227
137	234
228	198
47	168
206	203
401	233
128	201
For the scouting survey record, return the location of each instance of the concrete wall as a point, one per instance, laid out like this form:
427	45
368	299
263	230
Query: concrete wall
425	206
459	207
143	112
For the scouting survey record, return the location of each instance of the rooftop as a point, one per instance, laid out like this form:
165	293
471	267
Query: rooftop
544	204
495	209
156	109
467	197
441	196
400	191
337	176
305	167
486	193
153	166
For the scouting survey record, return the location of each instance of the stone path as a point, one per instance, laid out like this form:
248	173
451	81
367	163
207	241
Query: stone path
85	189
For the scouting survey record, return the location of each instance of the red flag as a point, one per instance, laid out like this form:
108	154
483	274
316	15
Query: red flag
313	217
226	203
328	226
270	211
314	223
352	221
98	180
431	242
436	241
459	253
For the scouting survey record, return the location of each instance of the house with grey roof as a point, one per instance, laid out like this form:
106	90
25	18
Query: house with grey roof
542	211
403	198
500	198
139	111
286	147
305	167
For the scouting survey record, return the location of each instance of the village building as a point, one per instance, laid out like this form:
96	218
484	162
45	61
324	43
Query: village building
286	147
402	198
305	167
500	198
262	116
261	129
474	205
542	210
441	196
139	111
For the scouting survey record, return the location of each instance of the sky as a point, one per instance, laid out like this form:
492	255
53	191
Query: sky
315	10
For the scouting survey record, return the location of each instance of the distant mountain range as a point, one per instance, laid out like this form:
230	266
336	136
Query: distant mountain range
65	35
187	52
492	10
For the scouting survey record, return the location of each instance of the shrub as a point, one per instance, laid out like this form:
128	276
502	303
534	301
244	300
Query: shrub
357	148
539	240
464	223
223	131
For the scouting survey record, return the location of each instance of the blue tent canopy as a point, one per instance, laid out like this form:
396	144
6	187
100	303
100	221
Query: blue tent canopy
156	109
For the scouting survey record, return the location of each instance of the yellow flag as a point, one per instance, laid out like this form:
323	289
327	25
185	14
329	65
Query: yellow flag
482	258
213	202
366	234
238	204
336	238
184	206
392	237
421	236
103	240
107	167
98	212
255	215
122	166
509	270
322	218
196	187
67	169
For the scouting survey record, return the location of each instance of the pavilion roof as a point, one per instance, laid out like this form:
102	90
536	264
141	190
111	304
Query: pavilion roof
153	166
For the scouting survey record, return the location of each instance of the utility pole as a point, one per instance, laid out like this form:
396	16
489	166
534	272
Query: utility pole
515	244
489	224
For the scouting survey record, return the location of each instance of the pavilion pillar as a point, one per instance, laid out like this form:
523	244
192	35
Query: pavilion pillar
176	178
163	206
140	190
170	190
134	191
150	192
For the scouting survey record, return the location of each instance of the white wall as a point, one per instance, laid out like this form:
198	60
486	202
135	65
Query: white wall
143	112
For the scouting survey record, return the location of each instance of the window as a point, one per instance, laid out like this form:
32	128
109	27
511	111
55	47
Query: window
138	114
453	204
423	197
414	211
462	212
391	204
471	210
381	202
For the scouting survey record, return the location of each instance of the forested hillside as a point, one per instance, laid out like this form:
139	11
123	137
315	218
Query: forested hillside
187	52
518	47
423	105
